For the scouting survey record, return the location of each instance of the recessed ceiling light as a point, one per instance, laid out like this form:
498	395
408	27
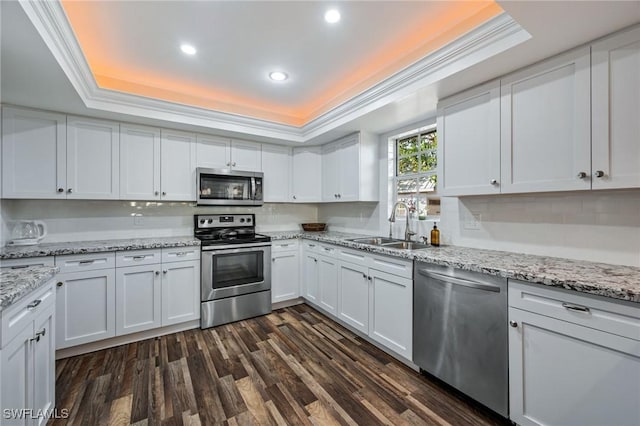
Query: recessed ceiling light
278	76
332	16
188	49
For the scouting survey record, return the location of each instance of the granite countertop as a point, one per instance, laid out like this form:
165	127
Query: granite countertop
81	247
16	283
613	281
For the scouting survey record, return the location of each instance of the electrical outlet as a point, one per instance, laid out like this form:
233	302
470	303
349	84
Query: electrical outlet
472	222
138	220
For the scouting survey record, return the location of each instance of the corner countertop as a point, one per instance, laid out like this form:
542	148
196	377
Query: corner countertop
16	283
97	246
612	281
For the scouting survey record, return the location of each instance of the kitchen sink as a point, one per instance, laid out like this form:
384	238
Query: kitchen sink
406	245
374	241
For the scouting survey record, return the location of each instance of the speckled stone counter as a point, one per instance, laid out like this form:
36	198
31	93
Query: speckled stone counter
613	281
80	247
16	283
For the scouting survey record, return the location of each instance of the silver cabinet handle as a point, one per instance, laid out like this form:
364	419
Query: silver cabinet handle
315	260
369	277
576	308
312	245
139	257
339	195
164	193
157	193
59	284
513	324
164	271
295	198
69	190
34	304
493	182
181	253
234	164
284	245
38	334
599	173
582	175
459	281
86	262
364	275
273	259
60	189
157	272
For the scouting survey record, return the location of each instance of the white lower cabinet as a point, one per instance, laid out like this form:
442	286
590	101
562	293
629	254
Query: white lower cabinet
85	309
328	284
310	276
138	298
353	287
27	359
180	292
573	360
284	271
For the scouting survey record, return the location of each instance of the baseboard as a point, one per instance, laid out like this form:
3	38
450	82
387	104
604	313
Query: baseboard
287	303
123	340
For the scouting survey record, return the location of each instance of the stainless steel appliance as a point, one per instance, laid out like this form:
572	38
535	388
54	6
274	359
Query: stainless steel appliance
221	187
235	264
460	331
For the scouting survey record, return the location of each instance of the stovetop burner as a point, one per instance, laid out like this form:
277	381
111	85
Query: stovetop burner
227	229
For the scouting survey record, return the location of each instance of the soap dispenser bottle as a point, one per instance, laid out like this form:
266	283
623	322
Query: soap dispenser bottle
435	236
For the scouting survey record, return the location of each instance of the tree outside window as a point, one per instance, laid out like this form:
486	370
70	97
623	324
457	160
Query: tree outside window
415	175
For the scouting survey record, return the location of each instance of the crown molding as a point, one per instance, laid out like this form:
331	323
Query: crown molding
494	36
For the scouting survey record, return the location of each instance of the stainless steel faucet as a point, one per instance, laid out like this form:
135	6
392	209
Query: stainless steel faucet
408	233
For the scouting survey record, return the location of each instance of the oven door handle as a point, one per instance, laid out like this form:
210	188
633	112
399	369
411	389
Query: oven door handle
238	248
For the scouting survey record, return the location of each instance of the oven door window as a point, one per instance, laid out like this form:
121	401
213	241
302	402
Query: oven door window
235	269
220	187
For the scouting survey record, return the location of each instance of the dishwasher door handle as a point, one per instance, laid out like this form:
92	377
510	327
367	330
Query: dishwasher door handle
459	281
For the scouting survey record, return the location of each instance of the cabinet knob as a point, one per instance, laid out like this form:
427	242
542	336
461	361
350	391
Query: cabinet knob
60	189
599	173
234	164
164	271
157	272
34	304
59	283
157	193
494	182
364	275
69	190
295	198
335	195
164	193
513	324
315	260
369	277
582	175
339	195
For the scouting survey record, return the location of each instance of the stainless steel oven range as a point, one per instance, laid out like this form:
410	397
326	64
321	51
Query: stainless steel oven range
235	267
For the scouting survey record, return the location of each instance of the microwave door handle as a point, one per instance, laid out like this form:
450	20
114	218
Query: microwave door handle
253	188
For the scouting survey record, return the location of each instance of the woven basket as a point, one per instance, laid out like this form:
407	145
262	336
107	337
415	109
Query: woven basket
314	227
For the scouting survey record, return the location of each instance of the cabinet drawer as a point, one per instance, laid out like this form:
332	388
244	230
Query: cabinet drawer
85	262
284	245
137	257
27	261
178	254
622	319
359	257
17	316
392	265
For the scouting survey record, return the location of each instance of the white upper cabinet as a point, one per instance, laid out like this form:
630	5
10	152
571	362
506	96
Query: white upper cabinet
246	156
177	165
276	166
93	151
545	125
350	169
34	154
615	111
469	142
139	162
213	152
306	182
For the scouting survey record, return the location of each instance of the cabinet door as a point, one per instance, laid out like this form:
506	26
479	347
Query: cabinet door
284	276
545	126
353	295
138	298
246	156
276	166
310	281
330	173
616	111
180	292
306	185
85	307
565	374
213	152
177	166
139	162
328	284
391	312
44	372
349	169
34	147
16	363
93	158
469	142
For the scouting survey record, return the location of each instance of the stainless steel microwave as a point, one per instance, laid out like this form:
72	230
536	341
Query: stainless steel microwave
222	187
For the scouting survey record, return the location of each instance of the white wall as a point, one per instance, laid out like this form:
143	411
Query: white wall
76	220
601	226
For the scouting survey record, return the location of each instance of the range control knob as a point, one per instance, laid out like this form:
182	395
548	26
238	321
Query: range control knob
248	219
241	220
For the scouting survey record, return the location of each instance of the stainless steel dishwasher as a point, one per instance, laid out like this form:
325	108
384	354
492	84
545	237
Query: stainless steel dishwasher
460	331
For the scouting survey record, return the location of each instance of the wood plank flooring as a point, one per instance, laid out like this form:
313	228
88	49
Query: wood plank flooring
294	366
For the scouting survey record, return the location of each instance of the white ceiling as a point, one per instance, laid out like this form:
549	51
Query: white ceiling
32	77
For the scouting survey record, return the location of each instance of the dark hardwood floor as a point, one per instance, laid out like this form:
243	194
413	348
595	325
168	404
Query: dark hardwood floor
294	366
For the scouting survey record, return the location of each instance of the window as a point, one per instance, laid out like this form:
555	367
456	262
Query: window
415	180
